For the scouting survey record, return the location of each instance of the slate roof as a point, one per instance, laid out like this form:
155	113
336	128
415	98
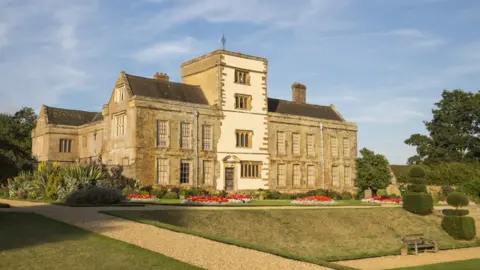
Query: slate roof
289	107
147	87
399	170
68	117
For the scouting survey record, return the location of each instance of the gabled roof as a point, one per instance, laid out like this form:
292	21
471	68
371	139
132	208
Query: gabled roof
289	107
147	87
399	170
59	116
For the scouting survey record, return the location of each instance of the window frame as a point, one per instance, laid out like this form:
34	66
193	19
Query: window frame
185	138
312	152
296	179
166	172
313	175
335	175
243	102
243	138
284	141
346	147
207	180
333	152
251	169
183	172
298	145
207	140
167	133
282	181
241	77
119	93
65	146
119	127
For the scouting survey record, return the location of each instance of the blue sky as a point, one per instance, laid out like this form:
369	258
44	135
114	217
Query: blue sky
381	63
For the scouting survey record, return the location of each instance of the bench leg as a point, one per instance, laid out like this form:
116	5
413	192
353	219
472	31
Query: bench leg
416	249
436	247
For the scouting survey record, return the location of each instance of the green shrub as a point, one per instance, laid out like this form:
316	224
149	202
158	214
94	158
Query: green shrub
114	178
457	199
347	195
285	196
446	190
170	195
146	188
455	212
471	187
273	195
416	172
96	196
418	203
78	176
144	193
381	192
317	192
159	192
460	228
419	188
128	190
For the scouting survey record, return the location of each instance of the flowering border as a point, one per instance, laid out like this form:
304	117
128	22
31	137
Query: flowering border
444	202
382	200
317	200
215	200
142	198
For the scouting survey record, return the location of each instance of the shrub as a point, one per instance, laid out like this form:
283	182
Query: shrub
418	203
347	195
146	188
159	191
381	192
95	196
419	188
446	190
273	195
175	189
455	212
76	177
471	187
317	192
114	178
285	196
457	199
170	195
416	172
460	228
128	190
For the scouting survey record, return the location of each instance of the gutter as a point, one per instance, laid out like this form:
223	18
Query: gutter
323	156
196	147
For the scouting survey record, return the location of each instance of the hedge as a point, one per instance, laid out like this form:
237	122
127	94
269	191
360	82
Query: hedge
418	203
455	212
460	228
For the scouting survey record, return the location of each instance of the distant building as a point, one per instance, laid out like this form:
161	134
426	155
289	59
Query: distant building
217	128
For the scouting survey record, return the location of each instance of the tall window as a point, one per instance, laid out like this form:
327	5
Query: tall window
310	145
251	169
334	146
311	175
242	77
335	177
84	141
243	138
185	135
163	171
184	172
347	175
119	94
208	172
281	175
162	133
296	144
207	138
243	102
65	146
119	121
281	143
297	175
346	147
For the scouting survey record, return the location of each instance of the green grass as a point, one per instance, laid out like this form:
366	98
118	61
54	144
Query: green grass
313	235
176	202
30	241
473	264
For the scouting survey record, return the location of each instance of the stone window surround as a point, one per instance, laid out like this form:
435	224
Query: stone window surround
241	76
119	93
185	138
247	138
310	153
281	144
207	178
251	169
281	175
167	133
296	168
244	100
185	171
207	137
115	126
311	173
65	146
298	145
165	163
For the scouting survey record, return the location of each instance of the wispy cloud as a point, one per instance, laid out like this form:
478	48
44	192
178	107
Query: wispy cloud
3	35
389	111
167	49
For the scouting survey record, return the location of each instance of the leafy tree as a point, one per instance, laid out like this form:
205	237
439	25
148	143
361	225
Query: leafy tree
372	171
454	131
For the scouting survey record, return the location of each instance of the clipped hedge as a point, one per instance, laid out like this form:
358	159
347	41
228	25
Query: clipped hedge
460	228
95	196
418	203
455	212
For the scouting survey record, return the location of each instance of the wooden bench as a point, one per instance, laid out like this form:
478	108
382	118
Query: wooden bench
419	241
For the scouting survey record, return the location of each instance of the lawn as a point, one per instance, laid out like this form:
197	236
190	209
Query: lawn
463	265
30	241
177	202
312	235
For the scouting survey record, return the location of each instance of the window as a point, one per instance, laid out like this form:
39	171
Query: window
65	146
119	121
184	172
346	147
242	77
162	133
185	135
347	176
84	141
251	169
207	172
311	175
244	138
297	175
207	138
334	146
119	94
296	144
281	143
281	175
163	171
243	102
310	145
335	180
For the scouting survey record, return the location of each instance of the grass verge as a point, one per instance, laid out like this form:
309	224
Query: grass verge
473	264
101	205
31	241
259	203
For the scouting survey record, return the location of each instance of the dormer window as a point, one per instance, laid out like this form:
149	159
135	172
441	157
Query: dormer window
119	94
242	77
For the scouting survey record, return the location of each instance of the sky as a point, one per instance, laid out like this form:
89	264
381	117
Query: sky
382	63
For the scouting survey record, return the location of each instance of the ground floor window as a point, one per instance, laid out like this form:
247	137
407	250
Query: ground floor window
207	172
251	169
311	175
184	172
65	146
335	177
281	175
347	175
297	175
163	168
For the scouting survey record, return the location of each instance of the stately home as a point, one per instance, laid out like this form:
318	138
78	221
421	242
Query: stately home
217	127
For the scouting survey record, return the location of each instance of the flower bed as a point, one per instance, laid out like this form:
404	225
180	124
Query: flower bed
139	198
212	200
382	200
239	198
323	200
444	202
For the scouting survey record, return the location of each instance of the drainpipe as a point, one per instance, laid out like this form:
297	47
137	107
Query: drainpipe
196	146
323	155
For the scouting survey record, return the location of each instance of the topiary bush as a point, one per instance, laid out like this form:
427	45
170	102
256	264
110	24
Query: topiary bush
460	228
457	199
416	172
455	212
418	203
96	196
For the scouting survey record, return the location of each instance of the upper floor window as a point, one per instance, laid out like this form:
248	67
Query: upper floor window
243	138
185	135
281	143
243	102
334	146
162	133
119	122
310	145
346	147
296	144
242	77
207	138
119	94
84	141
65	146
251	169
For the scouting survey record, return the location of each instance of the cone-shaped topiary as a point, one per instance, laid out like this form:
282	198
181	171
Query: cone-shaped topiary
457	199
416	171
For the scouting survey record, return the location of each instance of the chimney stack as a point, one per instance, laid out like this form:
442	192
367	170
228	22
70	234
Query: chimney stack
161	77
299	93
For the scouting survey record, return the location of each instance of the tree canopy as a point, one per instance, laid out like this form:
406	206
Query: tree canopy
372	171
453	133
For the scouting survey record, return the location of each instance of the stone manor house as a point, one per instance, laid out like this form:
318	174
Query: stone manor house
216	128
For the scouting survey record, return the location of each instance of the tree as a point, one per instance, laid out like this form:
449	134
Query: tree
373	171
454	131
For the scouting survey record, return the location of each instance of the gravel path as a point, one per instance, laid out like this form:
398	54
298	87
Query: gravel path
187	248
